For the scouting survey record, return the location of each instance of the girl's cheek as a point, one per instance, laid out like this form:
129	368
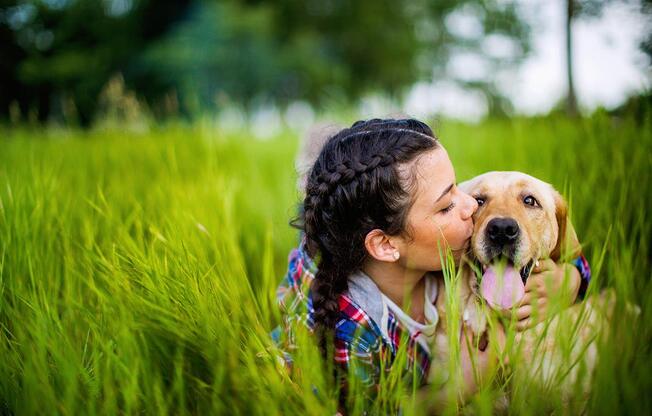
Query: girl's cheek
444	226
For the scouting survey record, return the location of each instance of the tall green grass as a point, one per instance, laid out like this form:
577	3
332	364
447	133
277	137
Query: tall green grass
138	271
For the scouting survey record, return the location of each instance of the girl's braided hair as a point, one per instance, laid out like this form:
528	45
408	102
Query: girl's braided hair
356	185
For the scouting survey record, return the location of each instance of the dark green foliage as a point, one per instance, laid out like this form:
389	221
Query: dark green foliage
190	56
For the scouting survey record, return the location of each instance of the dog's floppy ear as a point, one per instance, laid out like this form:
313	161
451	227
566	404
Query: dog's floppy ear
568	246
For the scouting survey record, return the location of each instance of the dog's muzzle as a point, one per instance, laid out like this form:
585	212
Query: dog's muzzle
501	237
504	276
503	231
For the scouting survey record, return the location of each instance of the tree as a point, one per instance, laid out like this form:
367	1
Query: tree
646	44
51	50
571	99
576	9
243	51
329	50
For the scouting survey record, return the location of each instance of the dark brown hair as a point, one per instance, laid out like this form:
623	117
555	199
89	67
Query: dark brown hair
355	186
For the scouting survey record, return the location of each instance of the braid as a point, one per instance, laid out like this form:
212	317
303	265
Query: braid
330	281
349	170
355	187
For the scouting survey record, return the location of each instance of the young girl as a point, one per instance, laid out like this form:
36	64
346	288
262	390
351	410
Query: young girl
381	204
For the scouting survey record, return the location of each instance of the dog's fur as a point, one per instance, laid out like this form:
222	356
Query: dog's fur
561	349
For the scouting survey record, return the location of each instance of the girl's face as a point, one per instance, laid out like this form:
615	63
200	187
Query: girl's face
440	216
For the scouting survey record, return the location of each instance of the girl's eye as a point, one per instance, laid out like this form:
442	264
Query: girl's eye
480	201
531	201
448	208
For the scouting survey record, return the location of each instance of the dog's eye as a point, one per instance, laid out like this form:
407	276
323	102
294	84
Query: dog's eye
480	201
531	201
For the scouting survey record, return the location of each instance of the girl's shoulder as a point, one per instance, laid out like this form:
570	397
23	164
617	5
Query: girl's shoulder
355	327
293	293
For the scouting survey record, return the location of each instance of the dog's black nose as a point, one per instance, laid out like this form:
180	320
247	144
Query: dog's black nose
502	231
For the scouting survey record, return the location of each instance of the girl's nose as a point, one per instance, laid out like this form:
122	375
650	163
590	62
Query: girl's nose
471	205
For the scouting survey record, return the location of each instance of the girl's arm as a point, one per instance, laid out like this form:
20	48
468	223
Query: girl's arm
568	280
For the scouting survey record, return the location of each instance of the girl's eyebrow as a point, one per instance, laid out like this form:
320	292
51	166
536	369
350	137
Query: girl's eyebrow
447	190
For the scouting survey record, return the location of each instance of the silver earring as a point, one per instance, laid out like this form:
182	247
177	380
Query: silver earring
397	255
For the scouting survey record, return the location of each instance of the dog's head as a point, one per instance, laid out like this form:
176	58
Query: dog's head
520	219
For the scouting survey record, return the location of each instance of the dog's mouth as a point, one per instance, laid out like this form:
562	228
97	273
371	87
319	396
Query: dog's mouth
503	284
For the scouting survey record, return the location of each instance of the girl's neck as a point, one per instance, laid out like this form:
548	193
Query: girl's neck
404	287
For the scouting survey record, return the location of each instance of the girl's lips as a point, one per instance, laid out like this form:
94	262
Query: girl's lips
467	240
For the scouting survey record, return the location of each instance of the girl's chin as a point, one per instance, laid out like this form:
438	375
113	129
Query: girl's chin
461	248
457	255
459	252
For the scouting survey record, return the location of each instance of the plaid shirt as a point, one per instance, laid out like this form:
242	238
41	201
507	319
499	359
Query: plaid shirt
359	342
357	337
583	267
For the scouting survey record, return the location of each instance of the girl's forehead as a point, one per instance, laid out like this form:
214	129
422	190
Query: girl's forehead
434	165
433	174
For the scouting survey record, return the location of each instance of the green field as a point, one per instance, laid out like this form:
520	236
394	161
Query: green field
138	271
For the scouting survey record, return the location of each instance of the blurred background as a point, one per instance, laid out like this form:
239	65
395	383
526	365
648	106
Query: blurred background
281	63
144	223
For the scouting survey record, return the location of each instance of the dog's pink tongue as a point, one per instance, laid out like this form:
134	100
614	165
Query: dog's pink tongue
502	287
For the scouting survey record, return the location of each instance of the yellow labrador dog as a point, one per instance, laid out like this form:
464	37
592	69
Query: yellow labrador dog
520	221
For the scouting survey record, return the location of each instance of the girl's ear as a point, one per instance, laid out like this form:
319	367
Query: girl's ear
380	246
